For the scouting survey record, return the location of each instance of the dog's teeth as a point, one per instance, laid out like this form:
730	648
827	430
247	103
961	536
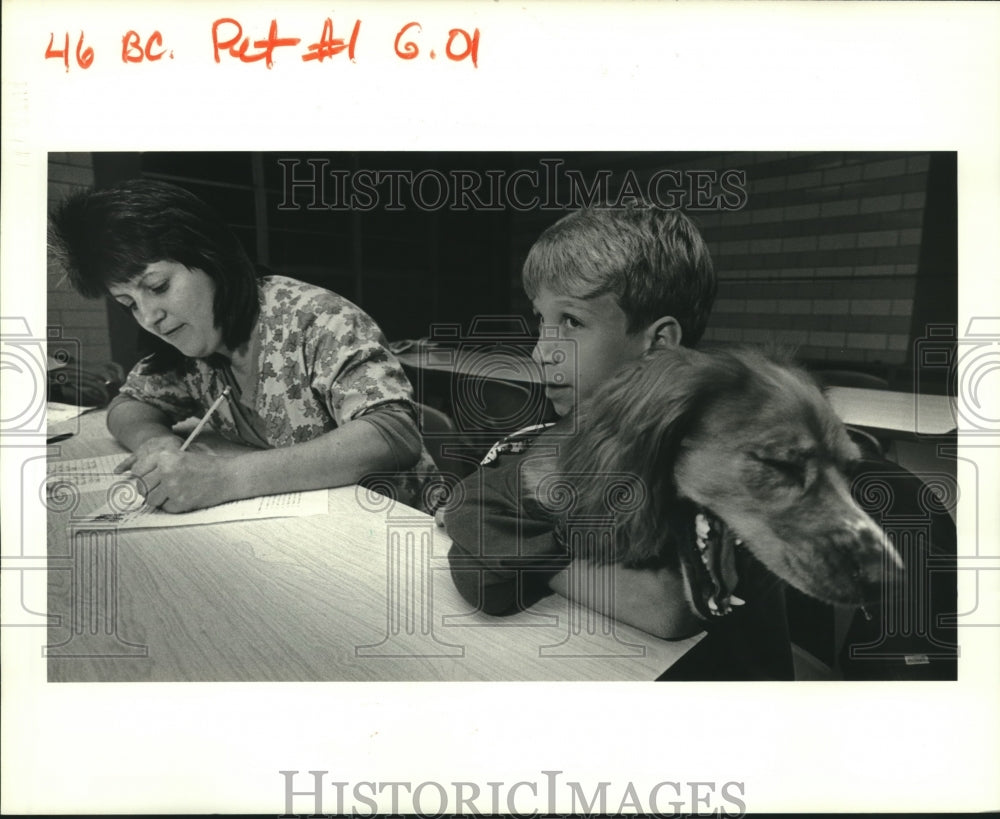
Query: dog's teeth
738	541
701	525
702	545
712	605
736	601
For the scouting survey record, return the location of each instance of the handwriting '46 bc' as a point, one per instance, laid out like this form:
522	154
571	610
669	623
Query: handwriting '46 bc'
135	49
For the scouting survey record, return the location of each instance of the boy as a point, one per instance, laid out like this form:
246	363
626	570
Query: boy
608	286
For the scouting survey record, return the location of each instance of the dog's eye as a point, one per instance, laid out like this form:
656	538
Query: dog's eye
793	472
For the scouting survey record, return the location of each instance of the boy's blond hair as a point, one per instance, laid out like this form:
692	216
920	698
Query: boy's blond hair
652	259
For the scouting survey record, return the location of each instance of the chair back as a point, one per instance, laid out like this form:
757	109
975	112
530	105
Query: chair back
491	405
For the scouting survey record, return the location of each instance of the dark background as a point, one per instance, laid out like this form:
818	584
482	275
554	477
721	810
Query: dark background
848	257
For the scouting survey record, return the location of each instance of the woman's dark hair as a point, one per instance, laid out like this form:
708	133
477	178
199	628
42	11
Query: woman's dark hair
111	235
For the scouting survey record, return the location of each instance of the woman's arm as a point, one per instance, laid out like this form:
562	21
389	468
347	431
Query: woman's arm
336	458
138	426
181	481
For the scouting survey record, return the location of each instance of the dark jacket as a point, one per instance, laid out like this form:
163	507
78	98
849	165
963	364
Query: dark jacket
504	553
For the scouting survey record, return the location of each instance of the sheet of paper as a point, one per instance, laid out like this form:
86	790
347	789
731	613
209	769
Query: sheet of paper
96	475
88	475
290	504
56	412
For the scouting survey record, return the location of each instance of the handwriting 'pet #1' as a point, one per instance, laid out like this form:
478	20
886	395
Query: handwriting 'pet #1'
697	455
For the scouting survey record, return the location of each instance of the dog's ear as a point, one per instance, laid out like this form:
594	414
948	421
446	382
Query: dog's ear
634	425
622	427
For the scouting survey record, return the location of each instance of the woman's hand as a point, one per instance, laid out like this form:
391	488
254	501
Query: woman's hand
160	443
178	481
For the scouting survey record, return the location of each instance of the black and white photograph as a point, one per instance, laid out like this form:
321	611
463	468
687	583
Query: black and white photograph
401	404
585	416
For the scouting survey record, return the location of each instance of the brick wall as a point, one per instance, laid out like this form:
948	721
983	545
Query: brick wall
82	320
822	258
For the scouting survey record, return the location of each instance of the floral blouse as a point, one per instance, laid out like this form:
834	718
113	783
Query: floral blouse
320	361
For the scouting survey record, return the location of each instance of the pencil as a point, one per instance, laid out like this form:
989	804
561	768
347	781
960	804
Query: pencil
204	420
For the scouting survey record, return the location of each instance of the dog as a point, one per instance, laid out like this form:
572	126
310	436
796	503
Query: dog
721	451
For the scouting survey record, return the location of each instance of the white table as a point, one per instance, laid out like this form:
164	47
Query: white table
906	412
362	593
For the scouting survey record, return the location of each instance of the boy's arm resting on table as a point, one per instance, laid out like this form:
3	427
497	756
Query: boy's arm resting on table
495	583
505	556
652	600
503	572
500	561
503	559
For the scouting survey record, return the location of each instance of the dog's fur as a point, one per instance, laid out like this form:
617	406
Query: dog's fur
735	442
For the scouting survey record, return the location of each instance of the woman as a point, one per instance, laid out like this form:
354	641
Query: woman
314	394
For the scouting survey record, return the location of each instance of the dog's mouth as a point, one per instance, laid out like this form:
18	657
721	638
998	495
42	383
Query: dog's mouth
709	564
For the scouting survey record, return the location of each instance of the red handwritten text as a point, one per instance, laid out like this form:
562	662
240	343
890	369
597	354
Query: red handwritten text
230	40
133	51
266	47
409	50
84	56
329	47
471	45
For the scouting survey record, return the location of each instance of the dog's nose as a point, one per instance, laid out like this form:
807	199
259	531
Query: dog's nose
875	563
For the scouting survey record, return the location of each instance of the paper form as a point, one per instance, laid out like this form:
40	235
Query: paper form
86	474
56	412
94	475
287	505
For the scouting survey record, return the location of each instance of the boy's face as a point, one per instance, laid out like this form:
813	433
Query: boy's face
581	344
